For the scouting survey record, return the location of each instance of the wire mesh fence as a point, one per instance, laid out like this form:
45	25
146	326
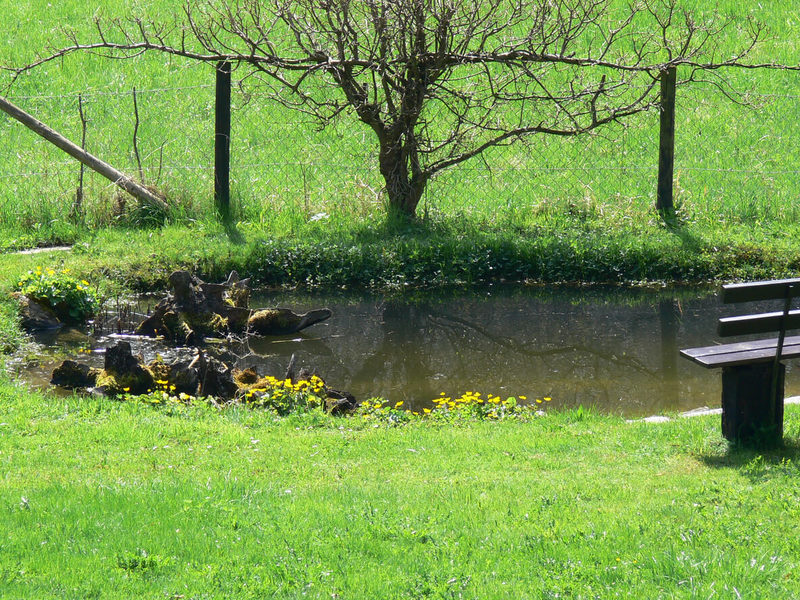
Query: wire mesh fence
737	161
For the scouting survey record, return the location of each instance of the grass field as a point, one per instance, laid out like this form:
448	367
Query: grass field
102	499
736	166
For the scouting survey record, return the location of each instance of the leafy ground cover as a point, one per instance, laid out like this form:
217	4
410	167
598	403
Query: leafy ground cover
115	499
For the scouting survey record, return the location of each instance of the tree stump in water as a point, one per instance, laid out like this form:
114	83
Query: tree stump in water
282	321
194	309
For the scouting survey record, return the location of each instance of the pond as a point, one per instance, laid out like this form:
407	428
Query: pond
612	348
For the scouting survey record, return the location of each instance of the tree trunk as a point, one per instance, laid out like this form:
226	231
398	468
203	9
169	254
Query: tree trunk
403	188
666	148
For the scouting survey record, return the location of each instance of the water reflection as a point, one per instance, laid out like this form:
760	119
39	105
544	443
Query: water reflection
612	348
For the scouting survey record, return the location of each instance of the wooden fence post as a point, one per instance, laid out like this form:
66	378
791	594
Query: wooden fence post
222	141
666	146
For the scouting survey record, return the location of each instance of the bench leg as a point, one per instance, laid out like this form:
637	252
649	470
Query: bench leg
748	412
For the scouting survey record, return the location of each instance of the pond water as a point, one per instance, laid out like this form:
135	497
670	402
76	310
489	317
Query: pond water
612	348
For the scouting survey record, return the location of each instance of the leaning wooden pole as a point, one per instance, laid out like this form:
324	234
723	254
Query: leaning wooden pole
118	178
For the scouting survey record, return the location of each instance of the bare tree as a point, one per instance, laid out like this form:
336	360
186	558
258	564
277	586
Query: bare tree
441	81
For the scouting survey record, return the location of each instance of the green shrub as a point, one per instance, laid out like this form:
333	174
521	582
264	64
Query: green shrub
71	299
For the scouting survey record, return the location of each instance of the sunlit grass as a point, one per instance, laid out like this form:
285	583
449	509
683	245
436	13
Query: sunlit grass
119	499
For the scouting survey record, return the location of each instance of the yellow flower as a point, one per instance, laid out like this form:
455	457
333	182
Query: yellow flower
398	404
84	282
126	389
547	398
523	397
427	411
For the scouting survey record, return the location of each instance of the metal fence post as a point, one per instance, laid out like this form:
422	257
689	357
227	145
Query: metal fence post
666	146
222	140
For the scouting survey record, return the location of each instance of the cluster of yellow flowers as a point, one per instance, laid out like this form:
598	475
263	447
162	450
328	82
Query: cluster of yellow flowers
472	399
285	396
315	385
165	394
165	385
44	274
380	410
468	404
72	299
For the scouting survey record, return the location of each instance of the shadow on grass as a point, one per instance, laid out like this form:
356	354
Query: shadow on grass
234	235
398	227
757	462
688	239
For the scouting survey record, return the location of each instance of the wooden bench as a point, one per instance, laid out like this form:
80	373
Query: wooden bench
752	371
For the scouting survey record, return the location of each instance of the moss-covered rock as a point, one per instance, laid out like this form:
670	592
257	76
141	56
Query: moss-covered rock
124	373
245	378
36	316
74	375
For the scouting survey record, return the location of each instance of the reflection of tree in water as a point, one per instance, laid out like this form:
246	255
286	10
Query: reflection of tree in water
525	349
412	351
669	317
425	346
402	360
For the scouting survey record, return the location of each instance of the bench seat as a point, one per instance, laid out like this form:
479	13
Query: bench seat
742	353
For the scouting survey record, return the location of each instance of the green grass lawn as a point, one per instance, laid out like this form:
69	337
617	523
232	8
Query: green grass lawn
100	499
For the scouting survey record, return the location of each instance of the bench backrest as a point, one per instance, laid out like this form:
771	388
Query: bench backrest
769	322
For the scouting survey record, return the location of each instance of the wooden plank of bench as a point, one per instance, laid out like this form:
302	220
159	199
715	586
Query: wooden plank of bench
757	290
763	323
742	353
